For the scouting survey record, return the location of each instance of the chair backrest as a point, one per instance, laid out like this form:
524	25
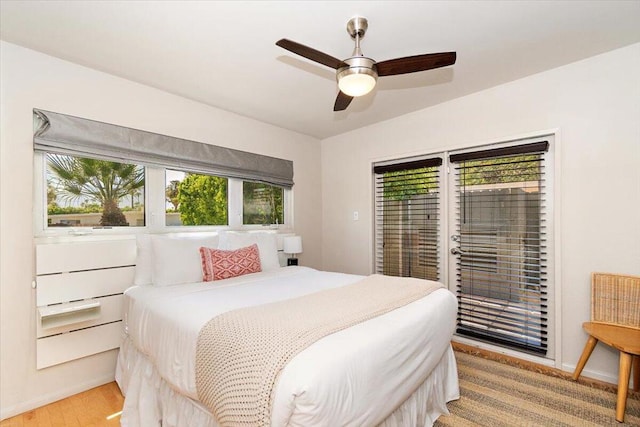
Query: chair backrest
615	299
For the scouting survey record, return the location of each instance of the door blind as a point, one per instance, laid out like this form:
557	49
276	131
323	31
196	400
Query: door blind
407	218
501	253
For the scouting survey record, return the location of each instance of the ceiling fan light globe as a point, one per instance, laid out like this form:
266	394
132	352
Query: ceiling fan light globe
356	81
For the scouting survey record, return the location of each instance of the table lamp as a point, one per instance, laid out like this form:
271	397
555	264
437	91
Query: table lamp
292	246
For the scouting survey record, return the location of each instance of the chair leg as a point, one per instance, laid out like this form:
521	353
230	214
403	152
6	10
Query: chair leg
623	384
586	353
636	373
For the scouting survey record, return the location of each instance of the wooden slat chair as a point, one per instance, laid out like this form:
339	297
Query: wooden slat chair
615	320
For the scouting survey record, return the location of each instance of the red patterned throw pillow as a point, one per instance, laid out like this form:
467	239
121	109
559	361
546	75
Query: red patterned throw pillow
218	264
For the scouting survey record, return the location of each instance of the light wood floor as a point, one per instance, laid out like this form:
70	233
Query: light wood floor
95	407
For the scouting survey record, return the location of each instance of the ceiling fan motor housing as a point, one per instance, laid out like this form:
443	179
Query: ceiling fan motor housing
358	65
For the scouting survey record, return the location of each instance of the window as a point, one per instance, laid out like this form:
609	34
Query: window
262	203
407	218
84	192
195	199
501	245
101	176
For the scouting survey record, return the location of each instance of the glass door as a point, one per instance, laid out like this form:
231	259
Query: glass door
498	244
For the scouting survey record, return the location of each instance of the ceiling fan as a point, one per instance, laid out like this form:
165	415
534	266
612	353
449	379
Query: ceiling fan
358	74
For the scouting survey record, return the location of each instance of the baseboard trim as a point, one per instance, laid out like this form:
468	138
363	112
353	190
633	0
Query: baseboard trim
594	375
53	397
503	351
586	378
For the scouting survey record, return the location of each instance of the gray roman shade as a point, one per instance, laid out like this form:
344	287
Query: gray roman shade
63	134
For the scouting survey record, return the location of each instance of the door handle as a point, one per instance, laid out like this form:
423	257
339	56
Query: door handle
457	251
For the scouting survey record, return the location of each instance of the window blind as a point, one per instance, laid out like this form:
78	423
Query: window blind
501	234
69	135
407	218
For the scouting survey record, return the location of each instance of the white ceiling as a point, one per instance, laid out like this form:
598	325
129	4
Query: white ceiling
224	53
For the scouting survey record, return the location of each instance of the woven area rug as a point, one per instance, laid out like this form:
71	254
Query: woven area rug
495	394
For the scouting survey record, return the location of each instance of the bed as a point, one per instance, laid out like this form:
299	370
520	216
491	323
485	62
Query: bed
394	369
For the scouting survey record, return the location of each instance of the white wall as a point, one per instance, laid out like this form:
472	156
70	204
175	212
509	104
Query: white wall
595	105
30	79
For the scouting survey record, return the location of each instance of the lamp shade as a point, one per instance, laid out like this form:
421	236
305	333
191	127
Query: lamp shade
356	84
358	77
292	244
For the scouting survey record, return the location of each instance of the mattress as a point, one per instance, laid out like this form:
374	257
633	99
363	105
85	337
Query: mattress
357	376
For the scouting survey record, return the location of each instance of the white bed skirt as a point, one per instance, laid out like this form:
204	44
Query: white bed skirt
150	401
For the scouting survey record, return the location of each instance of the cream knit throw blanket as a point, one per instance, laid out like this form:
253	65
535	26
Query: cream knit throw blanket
241	353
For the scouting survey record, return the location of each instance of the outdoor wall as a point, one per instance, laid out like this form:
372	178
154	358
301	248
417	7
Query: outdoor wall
33	80
595	106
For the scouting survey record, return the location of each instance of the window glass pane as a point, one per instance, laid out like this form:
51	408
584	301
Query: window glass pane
407	222
195	199
262	203
84	192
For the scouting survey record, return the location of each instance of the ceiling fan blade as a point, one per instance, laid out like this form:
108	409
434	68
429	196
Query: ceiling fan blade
412	64
342	101
310	53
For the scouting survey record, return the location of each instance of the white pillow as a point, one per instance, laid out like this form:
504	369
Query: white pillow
267	246
143	260
177	260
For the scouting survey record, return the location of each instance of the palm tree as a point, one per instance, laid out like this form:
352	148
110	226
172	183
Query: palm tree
99	181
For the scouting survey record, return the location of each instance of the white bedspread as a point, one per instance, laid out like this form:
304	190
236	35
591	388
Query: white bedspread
357	376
